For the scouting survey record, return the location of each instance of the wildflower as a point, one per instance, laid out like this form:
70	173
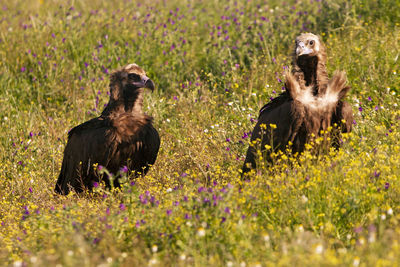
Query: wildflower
266	237
387	185
122	207
319	249
390	211
201	232
154	248
356	261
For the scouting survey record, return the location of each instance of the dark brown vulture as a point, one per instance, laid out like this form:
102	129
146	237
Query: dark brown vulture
122	136
311	103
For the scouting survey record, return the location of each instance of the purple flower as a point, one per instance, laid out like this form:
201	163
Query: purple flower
360	109
122	207
387	185
227	210
369	98
358	230
23	69
124	169
169	212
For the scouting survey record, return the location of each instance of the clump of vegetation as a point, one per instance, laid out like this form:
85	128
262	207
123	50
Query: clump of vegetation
214	63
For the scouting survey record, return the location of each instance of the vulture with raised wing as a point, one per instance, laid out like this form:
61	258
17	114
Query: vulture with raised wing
121	137
311	103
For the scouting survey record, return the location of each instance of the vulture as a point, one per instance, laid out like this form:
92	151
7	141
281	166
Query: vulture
122	137
311	102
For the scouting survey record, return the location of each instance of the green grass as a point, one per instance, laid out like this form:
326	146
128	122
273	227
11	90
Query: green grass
215	64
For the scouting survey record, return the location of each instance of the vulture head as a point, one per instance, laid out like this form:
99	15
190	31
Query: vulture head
127	85
309	62
308	45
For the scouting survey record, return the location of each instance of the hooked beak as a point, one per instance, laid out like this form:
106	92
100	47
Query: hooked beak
145	83
301	49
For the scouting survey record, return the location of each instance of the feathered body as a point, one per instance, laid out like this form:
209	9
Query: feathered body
121	136
311	103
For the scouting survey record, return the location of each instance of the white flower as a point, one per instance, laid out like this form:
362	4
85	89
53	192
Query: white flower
383	217
154	248
266	238
201	232
372	238
229	264
182	257
304	199
319	249
356	261
169	190
153	261
390	211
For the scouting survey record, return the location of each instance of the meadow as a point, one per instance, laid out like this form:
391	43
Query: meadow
215	63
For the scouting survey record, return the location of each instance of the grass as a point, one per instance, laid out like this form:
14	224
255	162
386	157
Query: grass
215	64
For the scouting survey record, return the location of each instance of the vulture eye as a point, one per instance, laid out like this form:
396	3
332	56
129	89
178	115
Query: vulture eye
312	42
133	76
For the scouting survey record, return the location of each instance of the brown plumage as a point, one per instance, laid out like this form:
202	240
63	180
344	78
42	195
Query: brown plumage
121	136
311	103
